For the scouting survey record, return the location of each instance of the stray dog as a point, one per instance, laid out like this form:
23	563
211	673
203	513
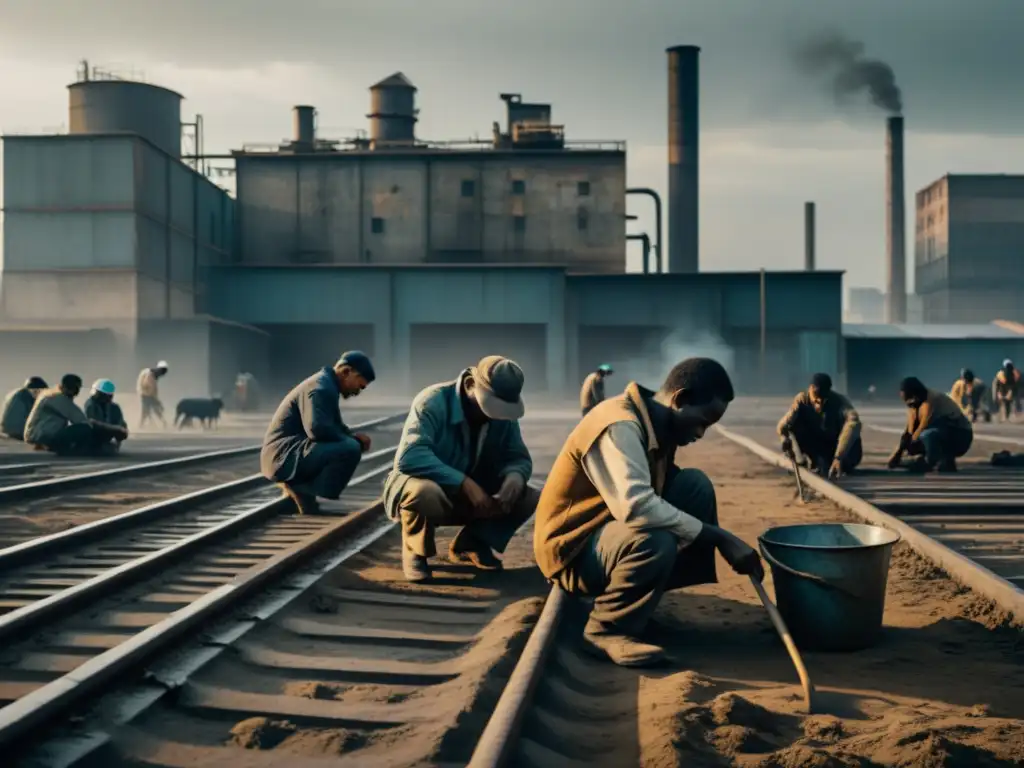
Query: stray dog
207	410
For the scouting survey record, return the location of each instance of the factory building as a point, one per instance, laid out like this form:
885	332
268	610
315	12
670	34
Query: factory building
968	247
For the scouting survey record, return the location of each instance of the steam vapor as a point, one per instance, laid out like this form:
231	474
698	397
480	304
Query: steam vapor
851	73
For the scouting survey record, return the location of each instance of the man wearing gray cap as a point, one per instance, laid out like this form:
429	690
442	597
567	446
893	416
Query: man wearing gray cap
462	461
308	449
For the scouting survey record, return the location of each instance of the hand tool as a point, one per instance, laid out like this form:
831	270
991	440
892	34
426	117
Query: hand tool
787	640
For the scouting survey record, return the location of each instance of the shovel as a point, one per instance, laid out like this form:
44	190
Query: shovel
799	480
787	640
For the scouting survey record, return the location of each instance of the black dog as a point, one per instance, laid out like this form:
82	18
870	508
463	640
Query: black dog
207	410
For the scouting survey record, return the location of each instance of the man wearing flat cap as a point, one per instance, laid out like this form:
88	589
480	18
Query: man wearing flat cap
462	461
308	449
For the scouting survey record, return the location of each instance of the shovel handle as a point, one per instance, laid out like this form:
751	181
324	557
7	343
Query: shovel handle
787	640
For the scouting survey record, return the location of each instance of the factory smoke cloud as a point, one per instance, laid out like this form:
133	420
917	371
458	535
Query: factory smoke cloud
833	55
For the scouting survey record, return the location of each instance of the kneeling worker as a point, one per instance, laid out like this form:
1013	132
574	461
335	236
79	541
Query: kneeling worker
57	424
620	522
308	449
18	405
462	461
937	431
825	428
969	393
101	408
592	391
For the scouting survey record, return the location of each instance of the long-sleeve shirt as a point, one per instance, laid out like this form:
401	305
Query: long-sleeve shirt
592	391
1006	387
105	412
838	419
147	383
53	410
938	409
17	407
617	465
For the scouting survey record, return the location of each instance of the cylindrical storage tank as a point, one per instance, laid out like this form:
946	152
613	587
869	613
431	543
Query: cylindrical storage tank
305	125
123	106
895	222
683	158
393	110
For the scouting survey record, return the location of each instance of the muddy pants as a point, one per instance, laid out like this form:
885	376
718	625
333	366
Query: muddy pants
423	505
626	571
811	442
942	444
325	469
84	440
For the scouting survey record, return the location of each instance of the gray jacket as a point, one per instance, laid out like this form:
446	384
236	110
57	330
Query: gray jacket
17	407
52	412
310	413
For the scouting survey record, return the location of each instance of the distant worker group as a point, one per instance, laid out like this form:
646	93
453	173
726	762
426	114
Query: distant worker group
1005	397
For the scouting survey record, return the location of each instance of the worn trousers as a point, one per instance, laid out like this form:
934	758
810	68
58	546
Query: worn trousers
83	440
939	444
813	443
151	406
627	571
423	505
325	469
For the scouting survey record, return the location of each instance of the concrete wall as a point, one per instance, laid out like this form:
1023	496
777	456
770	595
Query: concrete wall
434	207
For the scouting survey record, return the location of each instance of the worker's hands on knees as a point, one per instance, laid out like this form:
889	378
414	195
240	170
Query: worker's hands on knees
835	470
482	503
894	460
742	557
508	494
364	441
787	446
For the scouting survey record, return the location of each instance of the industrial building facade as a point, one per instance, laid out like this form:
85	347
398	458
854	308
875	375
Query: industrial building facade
969	249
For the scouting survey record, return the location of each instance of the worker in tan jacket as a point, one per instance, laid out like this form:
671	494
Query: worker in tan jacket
592	391
937	431
1006	390
969	392
823	426
148	389
618	521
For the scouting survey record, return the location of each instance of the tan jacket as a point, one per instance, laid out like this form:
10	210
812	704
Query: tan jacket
592	391
1005	388
570	507
837	419
938	409
147	383
52	412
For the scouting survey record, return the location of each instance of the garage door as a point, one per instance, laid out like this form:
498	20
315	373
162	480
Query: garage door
440	351
299	350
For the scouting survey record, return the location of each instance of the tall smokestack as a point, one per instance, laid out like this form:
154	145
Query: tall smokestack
895	222
683	158
304	131
809	237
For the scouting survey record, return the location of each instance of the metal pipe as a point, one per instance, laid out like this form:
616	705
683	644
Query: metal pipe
659	259
895	223
646	242
809	237
764	324
683	158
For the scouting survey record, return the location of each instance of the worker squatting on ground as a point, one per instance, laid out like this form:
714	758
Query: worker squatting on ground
308	449
101	408
1006	390
620	522
824	428
462	461
149	393
971	394
18	405
57	424
592	391
937	432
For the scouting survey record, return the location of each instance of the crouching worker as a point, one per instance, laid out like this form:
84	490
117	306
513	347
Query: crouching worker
101	409
57	424
462	461
308	449
970	393
620	522
18	405
824	428
937	432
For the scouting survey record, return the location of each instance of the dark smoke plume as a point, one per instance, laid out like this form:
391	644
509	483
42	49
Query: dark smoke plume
851	73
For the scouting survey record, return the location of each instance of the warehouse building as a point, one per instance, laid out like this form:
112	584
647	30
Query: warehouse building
968	249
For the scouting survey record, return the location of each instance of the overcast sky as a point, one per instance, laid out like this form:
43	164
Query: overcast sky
772	135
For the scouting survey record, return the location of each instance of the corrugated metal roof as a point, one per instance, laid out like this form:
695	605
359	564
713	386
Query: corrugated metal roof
998	330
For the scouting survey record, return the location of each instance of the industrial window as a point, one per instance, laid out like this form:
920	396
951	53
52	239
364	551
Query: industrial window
583	188
582	219
518	223
518	187
377	225
468	187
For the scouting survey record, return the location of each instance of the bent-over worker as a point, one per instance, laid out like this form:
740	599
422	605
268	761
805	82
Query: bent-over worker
620	522
823	426
592	391
1006	390
937	431
308	449
969	392
57	424
101	408
148	390
18	405
462	461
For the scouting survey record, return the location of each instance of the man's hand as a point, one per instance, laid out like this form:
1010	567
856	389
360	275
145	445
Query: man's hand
894	460
508	494
787	445
482	504
741	556
364	441
835	471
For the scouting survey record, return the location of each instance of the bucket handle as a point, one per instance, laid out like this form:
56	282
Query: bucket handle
819	580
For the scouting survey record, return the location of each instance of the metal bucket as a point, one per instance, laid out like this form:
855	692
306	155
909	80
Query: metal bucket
830	582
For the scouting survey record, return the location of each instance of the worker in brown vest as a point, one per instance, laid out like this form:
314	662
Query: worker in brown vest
824	428
592	391
937	431
620	522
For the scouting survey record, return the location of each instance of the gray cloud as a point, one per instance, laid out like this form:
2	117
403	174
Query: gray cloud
843	62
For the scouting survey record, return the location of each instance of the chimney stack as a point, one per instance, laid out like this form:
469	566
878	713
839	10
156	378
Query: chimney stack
895	223
304	131
809	237
683	158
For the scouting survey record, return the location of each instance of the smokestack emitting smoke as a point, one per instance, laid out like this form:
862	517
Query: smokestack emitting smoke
895	222
850	71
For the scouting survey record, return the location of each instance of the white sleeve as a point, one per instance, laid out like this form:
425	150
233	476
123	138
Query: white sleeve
617	466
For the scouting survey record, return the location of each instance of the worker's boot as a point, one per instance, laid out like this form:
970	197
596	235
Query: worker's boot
305	504
467	550
622	650
919	466
414	567
946	466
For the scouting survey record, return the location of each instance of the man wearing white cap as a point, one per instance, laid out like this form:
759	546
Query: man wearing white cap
462	461
101	408
149	393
